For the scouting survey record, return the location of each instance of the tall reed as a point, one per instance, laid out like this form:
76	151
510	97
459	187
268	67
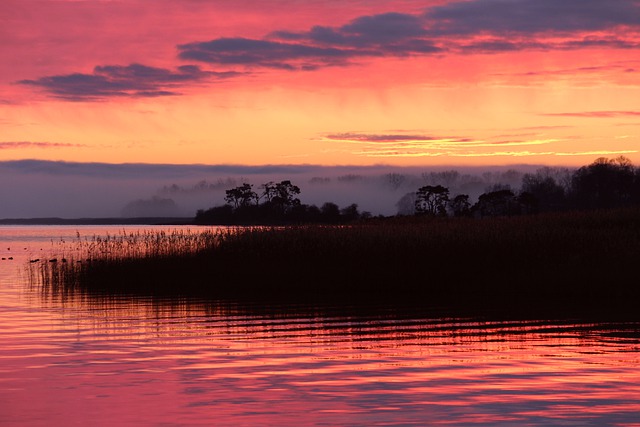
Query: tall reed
568	256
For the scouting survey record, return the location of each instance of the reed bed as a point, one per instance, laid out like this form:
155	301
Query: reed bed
568	257
72	264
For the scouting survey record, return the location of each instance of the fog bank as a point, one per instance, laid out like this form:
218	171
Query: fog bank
37	189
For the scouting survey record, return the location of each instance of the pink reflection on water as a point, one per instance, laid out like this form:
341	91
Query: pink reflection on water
122	361
139	362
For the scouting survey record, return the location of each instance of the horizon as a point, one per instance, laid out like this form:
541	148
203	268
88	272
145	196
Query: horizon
41	188
434	83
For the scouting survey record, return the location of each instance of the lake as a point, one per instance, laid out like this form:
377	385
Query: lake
104	361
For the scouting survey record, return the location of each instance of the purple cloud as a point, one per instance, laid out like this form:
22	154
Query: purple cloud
264	53
389	138
374	30
471	26
596	114
134	80
9	145
531	16
449	27
393	34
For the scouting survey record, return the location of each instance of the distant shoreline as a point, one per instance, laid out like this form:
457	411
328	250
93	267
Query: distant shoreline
99	221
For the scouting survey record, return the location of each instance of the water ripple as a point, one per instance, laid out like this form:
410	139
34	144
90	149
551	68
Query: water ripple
144	361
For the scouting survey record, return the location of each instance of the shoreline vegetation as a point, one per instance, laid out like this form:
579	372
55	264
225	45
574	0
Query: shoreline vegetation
570	258
570	245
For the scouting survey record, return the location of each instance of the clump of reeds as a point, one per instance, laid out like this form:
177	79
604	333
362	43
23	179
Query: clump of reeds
72	264
573	256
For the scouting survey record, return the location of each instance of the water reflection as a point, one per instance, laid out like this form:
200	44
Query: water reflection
97	360
189	362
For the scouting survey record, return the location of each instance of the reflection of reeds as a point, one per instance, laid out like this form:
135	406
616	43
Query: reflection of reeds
569	256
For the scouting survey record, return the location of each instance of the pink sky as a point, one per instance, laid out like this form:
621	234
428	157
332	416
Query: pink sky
320	82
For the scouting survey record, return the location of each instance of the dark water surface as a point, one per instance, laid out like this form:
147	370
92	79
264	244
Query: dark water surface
85	360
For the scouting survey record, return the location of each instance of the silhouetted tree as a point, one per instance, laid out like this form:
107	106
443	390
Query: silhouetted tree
217	215
279	200
284	195
268	191
496	203
299	214
542	185
365	215
314	214
460	205
350	213
527	203
604	183
330	212
241	196
432	200
635	193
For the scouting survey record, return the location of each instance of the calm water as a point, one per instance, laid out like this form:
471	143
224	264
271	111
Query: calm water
123	361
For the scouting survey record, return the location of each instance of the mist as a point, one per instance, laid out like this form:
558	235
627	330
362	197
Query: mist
41	189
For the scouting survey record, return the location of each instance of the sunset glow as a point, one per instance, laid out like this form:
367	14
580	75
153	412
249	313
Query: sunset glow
407	83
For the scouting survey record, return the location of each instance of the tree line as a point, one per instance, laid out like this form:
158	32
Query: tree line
275	203
605	183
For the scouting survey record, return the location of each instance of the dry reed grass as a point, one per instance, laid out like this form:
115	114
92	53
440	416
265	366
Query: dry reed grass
569	256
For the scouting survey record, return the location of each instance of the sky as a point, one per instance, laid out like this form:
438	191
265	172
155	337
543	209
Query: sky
404	84
407	83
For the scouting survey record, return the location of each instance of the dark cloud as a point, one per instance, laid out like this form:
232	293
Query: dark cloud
599	42
472	26
504	25
134	80
9	145
383	28
386	34
531	16
264	53
500	45
386	25
596	114
388	138
509	45
540	128
568	71
375	32
396	34
516	25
